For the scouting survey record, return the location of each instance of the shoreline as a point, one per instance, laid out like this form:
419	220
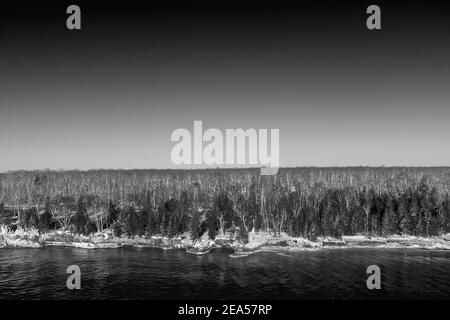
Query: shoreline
258	242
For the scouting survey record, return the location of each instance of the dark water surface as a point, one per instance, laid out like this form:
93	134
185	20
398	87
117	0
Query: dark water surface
151	273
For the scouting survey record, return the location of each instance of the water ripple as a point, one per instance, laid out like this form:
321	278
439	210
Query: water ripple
129	273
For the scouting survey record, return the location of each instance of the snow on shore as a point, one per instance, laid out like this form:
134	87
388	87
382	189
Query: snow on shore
258	242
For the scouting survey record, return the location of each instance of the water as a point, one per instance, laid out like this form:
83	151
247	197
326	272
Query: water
151	273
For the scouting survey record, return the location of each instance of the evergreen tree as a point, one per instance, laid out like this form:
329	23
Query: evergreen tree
416	217
445	215
434	214
212	224
113	214
44	218
2	212
80	219
406	225
389	223
194	226
126	221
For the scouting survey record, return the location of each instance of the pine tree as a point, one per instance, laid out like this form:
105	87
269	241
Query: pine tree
195	226
80	219
212	224
417	223
434	214
44	218
126	223
445	215
406	225
389	223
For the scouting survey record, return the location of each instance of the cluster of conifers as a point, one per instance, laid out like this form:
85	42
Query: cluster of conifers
318	202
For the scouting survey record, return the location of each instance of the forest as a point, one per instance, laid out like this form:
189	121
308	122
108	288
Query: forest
302	202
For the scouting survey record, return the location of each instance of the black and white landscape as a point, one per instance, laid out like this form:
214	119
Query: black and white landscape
115	151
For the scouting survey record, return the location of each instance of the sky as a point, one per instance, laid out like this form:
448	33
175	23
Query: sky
110	95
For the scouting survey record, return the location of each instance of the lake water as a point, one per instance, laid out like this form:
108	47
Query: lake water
151	273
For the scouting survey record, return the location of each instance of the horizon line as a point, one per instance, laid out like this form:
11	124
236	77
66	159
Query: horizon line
216	168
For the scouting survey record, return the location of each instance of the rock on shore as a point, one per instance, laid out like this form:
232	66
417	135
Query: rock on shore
257	242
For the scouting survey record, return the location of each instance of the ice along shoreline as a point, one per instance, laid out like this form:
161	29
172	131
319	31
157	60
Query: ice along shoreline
258	242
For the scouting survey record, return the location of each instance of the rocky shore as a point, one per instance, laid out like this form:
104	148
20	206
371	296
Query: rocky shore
258	242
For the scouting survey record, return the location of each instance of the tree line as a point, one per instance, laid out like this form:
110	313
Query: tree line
302	202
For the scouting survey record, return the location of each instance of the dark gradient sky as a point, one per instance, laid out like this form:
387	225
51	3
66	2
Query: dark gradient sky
110	95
